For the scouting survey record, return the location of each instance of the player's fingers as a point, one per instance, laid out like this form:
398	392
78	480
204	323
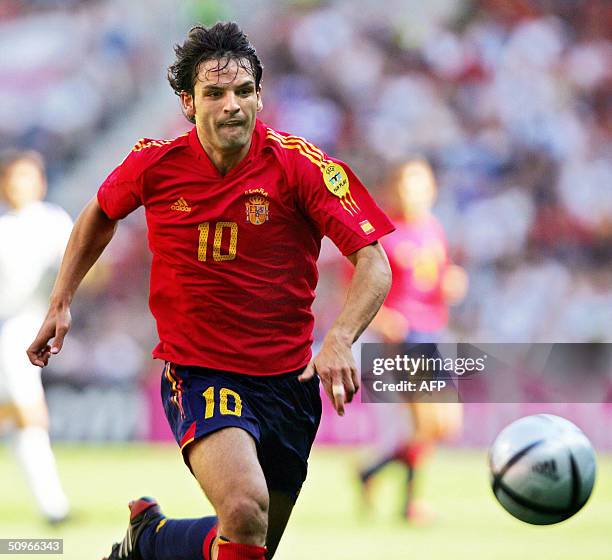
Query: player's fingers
39	358
60	333
349	386
33	357
44	356
37	361
38	347
355	378
339	397
338	393
327	386
308	372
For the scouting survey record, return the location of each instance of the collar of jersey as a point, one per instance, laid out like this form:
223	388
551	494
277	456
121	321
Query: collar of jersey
256	144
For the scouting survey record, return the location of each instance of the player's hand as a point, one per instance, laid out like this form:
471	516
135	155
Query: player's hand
55	326
337	370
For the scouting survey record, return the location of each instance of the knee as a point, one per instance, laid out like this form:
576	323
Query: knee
32	416
244	518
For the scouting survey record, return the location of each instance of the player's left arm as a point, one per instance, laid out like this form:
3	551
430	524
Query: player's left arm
368	288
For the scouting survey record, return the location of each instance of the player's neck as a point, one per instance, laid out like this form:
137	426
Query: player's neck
225	161
18	206
417	218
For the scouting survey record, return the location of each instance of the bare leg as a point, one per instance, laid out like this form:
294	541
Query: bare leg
33	451
225	465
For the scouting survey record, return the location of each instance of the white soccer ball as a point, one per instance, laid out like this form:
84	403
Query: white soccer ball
542	469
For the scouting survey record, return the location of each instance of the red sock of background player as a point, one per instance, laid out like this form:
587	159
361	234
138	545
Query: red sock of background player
237	551
413	457
415	452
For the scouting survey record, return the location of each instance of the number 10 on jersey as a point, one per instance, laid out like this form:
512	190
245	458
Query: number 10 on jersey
220	232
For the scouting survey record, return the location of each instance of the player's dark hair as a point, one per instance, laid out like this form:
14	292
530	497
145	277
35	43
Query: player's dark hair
12	156
224	42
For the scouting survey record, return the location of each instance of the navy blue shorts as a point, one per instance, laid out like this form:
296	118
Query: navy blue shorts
280	412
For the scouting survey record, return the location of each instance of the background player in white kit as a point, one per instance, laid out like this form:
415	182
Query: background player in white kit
33	235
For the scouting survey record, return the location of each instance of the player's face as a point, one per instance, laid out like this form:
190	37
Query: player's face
225	104
416	189
23	183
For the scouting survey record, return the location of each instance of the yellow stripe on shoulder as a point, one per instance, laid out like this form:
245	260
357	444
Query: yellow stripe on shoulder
296	143
307	145
334	176
142	144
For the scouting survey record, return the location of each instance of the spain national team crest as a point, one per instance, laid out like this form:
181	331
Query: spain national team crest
257	206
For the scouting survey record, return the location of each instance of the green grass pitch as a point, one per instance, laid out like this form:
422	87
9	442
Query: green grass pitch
328	522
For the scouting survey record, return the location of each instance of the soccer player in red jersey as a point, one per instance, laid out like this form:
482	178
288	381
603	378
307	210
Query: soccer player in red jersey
416	310
426	282
235	212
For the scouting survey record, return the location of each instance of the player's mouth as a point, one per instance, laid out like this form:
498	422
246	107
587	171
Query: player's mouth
232	123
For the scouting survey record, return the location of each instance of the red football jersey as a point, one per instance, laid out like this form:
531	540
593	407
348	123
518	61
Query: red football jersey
418	255
234	256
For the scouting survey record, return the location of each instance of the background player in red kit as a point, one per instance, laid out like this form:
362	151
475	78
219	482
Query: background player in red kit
236	212
425	283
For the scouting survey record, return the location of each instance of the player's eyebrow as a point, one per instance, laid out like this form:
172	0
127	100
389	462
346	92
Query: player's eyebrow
216	87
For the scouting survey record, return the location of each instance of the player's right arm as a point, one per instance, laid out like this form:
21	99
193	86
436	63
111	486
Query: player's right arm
92	232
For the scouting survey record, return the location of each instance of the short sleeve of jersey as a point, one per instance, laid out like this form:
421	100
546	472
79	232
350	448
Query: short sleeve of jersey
339	204
122	191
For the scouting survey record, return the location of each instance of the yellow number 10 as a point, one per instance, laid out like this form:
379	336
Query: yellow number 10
217	255
209	396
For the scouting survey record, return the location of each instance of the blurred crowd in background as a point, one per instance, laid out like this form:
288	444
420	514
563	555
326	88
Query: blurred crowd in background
68	68
509	100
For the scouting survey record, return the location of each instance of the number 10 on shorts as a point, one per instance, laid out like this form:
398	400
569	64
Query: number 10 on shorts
224	408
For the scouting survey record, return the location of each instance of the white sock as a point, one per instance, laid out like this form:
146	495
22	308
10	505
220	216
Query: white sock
33	450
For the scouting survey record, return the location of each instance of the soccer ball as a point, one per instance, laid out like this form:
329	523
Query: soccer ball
542	469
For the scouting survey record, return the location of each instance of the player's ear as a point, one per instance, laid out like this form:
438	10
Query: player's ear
187	105
259	101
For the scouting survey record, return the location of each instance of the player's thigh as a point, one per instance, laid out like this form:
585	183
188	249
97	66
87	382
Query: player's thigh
425	419
210	415
450	420
436	421
226	466
289	423
281	506
26	405
32	414
7	415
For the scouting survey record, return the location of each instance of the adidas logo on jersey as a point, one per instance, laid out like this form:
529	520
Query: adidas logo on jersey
547	469
181	205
